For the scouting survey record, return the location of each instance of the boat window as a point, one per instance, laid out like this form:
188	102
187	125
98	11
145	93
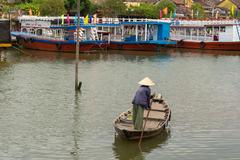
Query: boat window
24	30
39	32
188	32
222	29
209	31
32	31
216	30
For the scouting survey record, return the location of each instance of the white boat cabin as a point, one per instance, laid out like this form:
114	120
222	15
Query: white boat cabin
219	31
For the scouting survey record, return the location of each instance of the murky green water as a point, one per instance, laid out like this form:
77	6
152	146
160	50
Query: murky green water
41	117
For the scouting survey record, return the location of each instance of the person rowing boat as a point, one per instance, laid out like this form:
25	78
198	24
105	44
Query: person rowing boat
141	101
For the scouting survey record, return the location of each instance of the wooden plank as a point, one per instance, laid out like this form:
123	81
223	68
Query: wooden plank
158	107
155	115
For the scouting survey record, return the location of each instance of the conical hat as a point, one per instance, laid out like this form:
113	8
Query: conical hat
146	82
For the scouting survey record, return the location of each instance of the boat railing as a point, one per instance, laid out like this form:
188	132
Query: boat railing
117	38
194	38
94	20
202	22
48	37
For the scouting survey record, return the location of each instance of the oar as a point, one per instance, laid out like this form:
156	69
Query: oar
139	144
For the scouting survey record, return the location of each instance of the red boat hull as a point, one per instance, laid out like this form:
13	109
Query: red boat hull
231	46
58	46
135	47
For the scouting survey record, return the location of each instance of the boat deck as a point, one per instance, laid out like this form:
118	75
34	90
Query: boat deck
157	115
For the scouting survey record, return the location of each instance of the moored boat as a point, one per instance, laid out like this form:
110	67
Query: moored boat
213	35
5	39
137	34
46	33
156	121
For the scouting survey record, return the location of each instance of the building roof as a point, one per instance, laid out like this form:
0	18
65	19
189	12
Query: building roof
178	2
228	3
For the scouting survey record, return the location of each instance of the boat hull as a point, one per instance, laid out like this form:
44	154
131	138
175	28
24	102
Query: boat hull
134	47
137	134
53	45
231	46
155	121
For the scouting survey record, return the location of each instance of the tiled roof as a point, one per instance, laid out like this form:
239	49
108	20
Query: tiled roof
178	2
237	2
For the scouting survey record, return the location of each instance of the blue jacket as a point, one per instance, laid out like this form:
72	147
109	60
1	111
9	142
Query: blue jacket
142	97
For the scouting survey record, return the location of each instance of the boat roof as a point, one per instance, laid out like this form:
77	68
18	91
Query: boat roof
202	26
90	25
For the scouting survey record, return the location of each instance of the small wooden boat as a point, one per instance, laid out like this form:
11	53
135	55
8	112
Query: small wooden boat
157	120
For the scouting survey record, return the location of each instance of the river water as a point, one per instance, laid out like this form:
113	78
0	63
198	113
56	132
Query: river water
42	118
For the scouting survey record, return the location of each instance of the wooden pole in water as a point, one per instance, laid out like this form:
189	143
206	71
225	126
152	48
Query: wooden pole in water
77	46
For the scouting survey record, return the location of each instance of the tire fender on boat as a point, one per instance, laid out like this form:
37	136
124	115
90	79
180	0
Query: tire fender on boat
17	39
58	46
30	40
202	44
180	43
25	40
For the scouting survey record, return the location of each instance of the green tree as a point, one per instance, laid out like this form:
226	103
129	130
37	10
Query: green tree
163	4
198	11
27	6
113	8
86	7
50	7
145	10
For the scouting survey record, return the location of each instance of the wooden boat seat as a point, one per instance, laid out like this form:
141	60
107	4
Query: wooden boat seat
154	115
151	124
159	107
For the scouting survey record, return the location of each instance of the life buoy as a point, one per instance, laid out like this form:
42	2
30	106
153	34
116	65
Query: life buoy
25	40
30	40
180	43
58	46
202	44
17	39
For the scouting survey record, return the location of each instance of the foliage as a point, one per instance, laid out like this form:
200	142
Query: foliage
113	8
86	7
50	7
163	4
27	6
145	10
6	9
198	10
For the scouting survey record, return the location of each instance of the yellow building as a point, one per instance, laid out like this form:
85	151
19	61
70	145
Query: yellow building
227	5
188	3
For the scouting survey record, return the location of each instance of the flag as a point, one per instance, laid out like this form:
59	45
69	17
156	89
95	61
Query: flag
197	14
75	19
95	18
212	12
90	19
30	12
68	19
174	14
165	10
171	14
236	13
62	17
86	20
217	14
160	14
232	10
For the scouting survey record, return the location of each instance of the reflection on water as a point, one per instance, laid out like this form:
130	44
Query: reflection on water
124	149
76	113
42	118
